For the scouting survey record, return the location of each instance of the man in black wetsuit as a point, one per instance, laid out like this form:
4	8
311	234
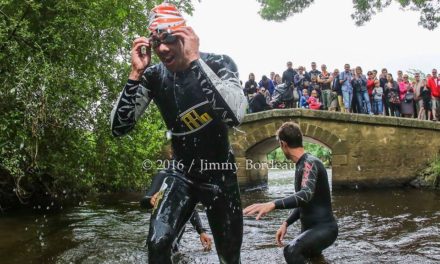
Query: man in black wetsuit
149	202
198	95
311	202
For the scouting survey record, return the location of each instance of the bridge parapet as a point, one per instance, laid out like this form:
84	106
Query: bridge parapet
366	150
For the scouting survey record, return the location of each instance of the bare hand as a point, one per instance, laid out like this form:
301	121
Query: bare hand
139	61
190	41
206	242
260	209
280	234
154	199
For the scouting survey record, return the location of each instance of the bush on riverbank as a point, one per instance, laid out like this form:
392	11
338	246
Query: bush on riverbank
63	64
429	177
323	153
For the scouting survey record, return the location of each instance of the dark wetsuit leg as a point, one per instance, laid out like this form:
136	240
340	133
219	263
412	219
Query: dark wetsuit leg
311	243
225	217
174	208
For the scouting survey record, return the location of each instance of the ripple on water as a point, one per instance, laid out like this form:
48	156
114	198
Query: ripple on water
374	227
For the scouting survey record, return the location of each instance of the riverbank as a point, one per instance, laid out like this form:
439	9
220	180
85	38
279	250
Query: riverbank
428	177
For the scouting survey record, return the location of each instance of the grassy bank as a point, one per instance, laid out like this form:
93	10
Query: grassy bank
429	177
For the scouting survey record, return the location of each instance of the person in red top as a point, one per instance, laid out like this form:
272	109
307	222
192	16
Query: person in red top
434	86
313	101
370	85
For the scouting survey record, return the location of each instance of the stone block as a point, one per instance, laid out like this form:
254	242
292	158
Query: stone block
339	160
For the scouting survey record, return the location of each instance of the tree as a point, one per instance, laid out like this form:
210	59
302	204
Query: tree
364	10
62	66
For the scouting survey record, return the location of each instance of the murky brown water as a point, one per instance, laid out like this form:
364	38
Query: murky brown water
375	226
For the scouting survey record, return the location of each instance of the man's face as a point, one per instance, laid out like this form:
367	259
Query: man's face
272	75
169	49
434	73
347	67
289	65
313	66
384	72
417	76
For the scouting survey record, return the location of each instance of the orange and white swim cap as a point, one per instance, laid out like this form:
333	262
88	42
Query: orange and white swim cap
165	17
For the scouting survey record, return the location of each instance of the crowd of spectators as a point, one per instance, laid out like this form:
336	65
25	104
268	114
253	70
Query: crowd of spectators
348	91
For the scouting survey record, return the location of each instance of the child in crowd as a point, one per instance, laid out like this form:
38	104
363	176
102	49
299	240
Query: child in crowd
425	112
305	96
377	98
313	101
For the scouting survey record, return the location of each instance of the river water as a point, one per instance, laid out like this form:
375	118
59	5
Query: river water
375	226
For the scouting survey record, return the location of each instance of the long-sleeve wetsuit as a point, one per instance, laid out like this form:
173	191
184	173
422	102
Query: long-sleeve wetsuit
197	106
312	204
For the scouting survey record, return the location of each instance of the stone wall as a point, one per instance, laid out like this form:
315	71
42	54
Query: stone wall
366	150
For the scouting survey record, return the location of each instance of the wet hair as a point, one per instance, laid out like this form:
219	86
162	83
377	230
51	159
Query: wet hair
290	133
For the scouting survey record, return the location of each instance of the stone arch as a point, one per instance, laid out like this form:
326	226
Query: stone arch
252	146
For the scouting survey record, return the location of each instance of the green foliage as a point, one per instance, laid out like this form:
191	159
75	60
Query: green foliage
364	10
412	72
318	151
62	66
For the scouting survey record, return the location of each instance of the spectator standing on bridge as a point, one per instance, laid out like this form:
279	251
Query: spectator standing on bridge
383	81
345	78
399	76
324	79
250	87
314	85
277	80
313	71
425	110
301	81
406	97
417	84
434	85
311	202
371	79
336	89
359	84
289	74
377	99
392	94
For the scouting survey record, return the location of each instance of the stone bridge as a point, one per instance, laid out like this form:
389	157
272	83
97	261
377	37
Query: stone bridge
366	150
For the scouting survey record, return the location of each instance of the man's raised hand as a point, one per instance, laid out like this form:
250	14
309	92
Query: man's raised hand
139	61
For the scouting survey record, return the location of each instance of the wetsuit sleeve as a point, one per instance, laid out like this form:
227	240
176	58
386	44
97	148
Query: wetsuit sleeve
156	183
293	217
131	104
196	222
303	196
232	105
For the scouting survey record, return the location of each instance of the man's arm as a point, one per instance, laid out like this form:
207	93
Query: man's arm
131	104
197	223
136	96
293	217
308	185
222	75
